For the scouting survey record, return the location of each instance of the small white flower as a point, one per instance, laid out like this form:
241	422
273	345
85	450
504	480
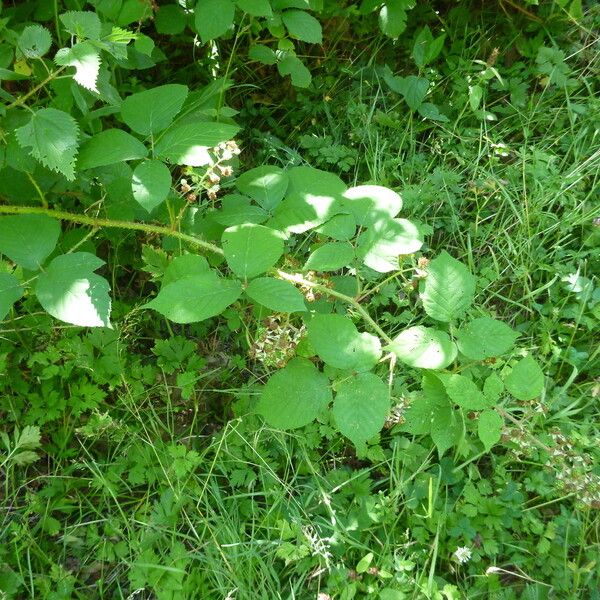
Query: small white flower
462	555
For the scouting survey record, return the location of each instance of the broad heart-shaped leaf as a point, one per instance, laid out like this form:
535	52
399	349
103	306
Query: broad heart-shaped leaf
275	294
371	203
484	337
361	407
489	428
213	18
448	290
109	147
153	110
339	344
186	265
464	392
189	144
251	249
52	136
10	292
195	298
28	239
70	290
380	246
330	257
302	26
526	380
86	60
238	210
339	227
295	395
266	184
424	348
151	183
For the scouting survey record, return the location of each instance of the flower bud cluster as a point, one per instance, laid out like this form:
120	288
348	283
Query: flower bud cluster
276	342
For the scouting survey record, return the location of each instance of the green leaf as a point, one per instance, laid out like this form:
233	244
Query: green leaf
330	257
10	292
52	136
339	227
371	203
295	395
213	18
361	407
526	380
302	26
424	348
464	392
34	41
262	54
430	111
256	8
28	239
448	290
28	438
489	428
412	88
484	337
277	295
339	344
251	249
445	428
291	65
109	147
151	111
237	210
380	245
266	184
151	183
82	24
189	144
392	17
70	290
420	413
195	298
170	20
186	265
493	388
86	60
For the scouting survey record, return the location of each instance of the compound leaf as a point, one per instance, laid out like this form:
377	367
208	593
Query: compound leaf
266	184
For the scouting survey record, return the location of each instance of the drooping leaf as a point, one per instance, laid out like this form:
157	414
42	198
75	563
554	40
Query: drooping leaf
424	348
464	392
380	245
189	144
10	292
151	183
263	54
251	249
448	290
392	16
153	110
361	407
52	136
195	298
109	147
526	380
237	210
275	294
330	257
70	290
86	60
371	203
266	184
484	337
302	26
339	344
213	18
489	428
412	88
295	395
34	41
28	239
291	65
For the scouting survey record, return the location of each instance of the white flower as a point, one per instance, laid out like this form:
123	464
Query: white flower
462	555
